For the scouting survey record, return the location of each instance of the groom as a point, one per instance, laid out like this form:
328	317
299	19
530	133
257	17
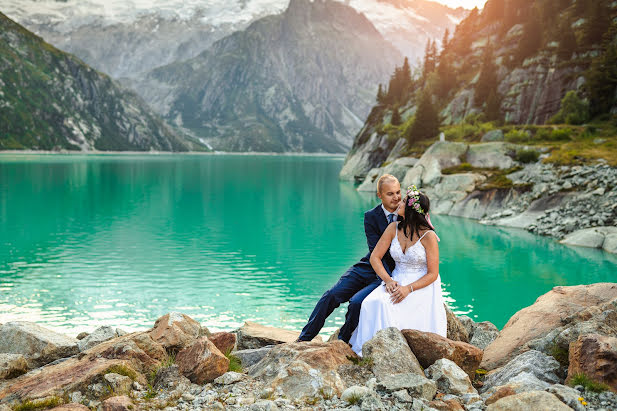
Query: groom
360	279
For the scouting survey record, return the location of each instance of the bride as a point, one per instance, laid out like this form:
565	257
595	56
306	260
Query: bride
411	298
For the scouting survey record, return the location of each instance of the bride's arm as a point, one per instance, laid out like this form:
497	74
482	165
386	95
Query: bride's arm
432	264
379	251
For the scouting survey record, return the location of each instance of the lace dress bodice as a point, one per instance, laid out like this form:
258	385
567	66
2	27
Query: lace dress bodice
410	264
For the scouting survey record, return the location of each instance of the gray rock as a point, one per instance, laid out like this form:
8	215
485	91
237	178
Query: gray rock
38	345
264	405
372	403
484	333
416	385
251	357
493	135
450	378
402	396
533	362
119	384
98	336
370	182
532	400
490	155
567	395
468	323
12	365
391	354
230	377
588	237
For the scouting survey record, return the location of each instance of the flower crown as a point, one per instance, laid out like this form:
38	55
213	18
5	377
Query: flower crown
413	194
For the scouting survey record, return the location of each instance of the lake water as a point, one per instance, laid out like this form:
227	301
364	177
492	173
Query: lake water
123	239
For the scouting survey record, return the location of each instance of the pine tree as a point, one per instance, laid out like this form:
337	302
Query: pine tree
487	81
445	40
426	123
567	41
598	21
494	10
447	76
396	117
492	110
380	95
531	40
602	81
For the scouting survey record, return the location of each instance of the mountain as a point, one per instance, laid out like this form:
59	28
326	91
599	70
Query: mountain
303	80
50	100
126	38
511	64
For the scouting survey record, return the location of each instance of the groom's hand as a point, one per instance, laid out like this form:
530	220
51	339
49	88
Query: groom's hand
392	286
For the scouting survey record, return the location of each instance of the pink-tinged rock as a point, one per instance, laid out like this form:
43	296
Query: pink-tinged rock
71	407
543	316
174	331
595	356
117	403
224	341
531	400
430	347
202	362
252	335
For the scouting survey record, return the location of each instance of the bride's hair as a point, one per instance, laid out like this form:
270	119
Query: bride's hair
414	221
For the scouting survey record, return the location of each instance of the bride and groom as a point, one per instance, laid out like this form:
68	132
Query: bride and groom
397	283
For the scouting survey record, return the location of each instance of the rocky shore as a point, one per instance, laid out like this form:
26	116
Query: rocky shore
504	184
559	353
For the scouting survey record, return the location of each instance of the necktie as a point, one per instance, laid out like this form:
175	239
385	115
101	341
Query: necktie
391	217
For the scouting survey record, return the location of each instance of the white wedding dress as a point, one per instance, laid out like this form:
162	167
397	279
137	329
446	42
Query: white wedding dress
421	310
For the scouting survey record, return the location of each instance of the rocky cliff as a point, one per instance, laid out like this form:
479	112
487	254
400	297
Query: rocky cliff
299	81
50	100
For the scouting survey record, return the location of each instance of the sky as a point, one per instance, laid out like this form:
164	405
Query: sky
468	4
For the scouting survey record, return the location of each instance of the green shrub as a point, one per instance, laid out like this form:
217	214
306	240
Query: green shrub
588	383
527	156
561	134
574	110
50	402
234	362
121	369
517	136
461	168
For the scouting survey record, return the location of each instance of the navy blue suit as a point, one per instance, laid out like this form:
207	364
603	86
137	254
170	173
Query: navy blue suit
354	285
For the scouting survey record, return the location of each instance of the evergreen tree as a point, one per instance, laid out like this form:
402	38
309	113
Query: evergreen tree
429	59
531	40
573	110
446	75
494	10
396	117
445	40
598	21
602	81
492	110
426	123
380	95
487	81
567	41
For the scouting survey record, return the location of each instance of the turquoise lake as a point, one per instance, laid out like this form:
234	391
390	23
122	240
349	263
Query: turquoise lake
123	239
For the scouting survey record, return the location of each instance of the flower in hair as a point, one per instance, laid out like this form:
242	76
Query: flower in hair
414	199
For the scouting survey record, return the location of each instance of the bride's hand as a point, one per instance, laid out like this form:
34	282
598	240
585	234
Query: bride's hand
392	286
400	294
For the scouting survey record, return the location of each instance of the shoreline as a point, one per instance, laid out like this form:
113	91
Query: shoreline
170	153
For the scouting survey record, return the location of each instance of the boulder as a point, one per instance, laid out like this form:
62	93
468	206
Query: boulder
12	365
119	384
251	357
252	335
567	395
430	347
450	378
38	345
230	377
540	365
168	378
457	331
499	393
98	336
484	333
595	356
174	331
542	317
532	400
451	189
522	382
415	384
224	341
304	369
490	155
202	362
391	354
71	407
139	349
451	404
117	403
370	182
427	171
67	376
610	243
492	136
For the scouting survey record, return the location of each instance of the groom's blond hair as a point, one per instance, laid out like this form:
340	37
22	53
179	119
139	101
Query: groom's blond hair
386	178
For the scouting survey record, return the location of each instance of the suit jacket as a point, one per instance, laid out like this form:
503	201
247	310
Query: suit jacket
375	223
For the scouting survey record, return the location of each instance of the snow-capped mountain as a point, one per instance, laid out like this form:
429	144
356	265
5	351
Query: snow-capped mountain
126	38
